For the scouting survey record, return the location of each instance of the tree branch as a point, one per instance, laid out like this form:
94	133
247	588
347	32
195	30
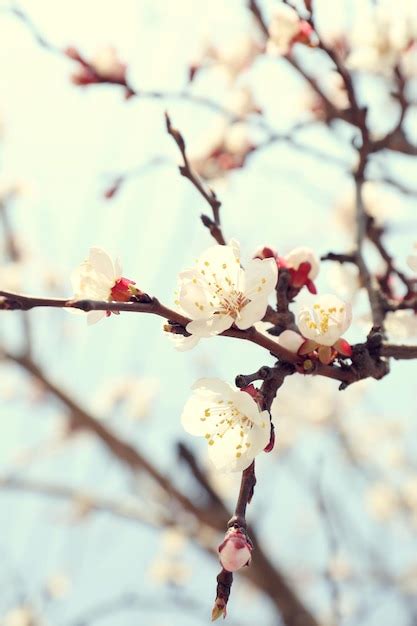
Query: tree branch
213	224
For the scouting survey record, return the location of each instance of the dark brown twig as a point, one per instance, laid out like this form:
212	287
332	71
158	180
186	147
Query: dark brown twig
213	224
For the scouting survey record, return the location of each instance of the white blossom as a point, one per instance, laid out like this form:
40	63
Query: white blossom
100	278
218	293
58	586
236	139
20	616
240	101
108	65
283	28
379	201
381	34
400	325
326	321
237	54
235	428
382	501
412	259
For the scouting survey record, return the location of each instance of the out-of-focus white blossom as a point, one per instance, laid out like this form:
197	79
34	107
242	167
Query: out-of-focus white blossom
218	293
240	102
169	567
382	32
409	492
379	203
230	420
238	53
339	567
382	501
58	586
134	395
20	616
344	280
236	139
285	29
400	325
108	65
334	87
11	276
230	59
412	259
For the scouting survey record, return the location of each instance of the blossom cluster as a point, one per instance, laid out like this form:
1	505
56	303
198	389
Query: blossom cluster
217	294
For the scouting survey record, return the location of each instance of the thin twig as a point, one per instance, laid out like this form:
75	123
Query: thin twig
213	224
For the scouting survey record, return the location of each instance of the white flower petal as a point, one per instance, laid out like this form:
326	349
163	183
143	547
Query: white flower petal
192	298
290	340
181	343
219	264
213	385
412	262
261	277
252	313
102	263
233	453
95	316
209	327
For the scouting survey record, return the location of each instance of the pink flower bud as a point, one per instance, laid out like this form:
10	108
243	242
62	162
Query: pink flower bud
122	291
266	253
235	551
84	76
72	53
305	30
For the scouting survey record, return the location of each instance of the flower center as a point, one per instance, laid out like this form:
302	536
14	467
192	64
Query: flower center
228	418
322	318
232	303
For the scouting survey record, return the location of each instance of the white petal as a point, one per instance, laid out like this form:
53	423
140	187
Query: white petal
412	262
102	263
192	298
219	266
181	343
117	269
247	405
213	385
290	340
252	313
235	245
209	327
232	453
261	277
207	392
88	284
95	316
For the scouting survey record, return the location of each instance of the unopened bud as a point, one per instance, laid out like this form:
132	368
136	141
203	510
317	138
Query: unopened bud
235	551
